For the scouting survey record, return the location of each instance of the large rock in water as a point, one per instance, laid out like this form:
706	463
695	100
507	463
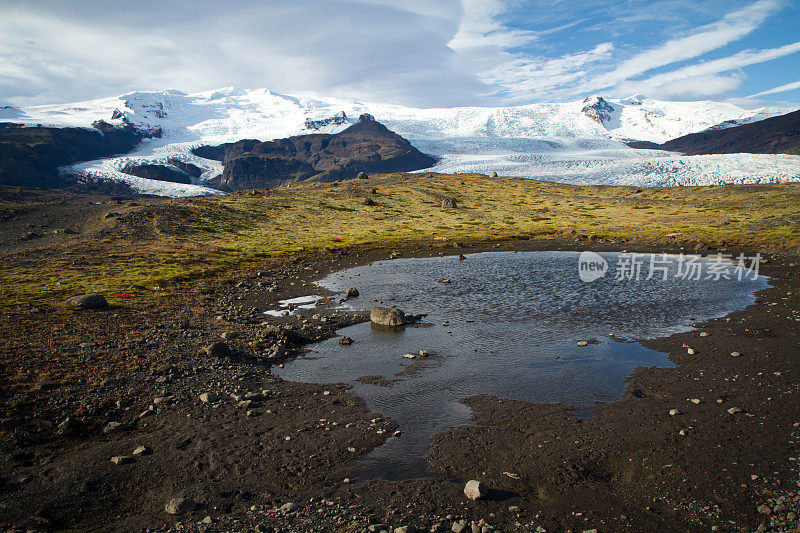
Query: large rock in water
366	146
384	316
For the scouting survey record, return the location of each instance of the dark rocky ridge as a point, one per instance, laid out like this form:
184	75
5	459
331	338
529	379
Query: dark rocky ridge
367	146
158	172
30	156
776	135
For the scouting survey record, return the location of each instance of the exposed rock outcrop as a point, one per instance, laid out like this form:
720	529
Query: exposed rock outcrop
30	156
597	109
366	146
776	135
158	172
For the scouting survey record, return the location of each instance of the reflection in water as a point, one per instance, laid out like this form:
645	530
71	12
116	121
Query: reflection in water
507	325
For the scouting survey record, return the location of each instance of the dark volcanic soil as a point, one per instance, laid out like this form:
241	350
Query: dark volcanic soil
260	443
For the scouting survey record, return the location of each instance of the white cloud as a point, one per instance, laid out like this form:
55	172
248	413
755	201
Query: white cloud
735	61
780	89
704	39
417	52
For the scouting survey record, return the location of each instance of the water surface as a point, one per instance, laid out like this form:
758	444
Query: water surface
507	324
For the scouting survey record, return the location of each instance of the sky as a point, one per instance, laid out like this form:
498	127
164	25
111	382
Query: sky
429	53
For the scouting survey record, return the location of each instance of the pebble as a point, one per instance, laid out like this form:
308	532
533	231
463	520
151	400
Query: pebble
735	354
113	427
121	459
475	490
690	351
459	527
180	505
674	412
209	397
582	343
409	356
142	450
734	410
289	507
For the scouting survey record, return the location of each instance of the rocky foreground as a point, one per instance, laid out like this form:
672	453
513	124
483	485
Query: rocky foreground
154	408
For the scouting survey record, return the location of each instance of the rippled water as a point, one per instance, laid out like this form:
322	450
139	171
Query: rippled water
507	324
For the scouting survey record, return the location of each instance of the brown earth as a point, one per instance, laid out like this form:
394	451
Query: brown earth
627	468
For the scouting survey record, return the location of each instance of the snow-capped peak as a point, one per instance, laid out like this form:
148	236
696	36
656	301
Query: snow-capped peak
230	114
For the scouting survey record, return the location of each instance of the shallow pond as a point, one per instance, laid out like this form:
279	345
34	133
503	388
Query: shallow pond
508	324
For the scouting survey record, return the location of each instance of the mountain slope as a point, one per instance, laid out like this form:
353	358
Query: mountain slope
366	146
30	156
776	135
578	142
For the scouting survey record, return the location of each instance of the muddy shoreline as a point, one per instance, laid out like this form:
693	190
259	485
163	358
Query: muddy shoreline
627	468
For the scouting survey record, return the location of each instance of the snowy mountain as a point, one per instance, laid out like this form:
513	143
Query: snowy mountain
574	141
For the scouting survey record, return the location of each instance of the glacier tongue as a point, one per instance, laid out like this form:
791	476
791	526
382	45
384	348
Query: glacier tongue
576	142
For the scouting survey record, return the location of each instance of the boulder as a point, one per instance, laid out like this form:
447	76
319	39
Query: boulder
180	505
363	176
369	201
352	292
449	203
384	316
475	490
218	349
88	301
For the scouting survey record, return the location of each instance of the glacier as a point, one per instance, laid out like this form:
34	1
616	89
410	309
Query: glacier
581	142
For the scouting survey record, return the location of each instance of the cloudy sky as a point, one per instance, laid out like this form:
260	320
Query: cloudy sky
413	52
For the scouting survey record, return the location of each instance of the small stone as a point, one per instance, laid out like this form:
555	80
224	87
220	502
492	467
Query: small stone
289	507
206	520
675	412
397	433
703	334
459	527
423	353
142	450
449	203
180	505
113	427
48	384
513	509
345	341
409	356
734	410
352	292
88	301
475	490
121	459
209	397
690	351
696	401
582	343
405	529
735	354
218	349
764	509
